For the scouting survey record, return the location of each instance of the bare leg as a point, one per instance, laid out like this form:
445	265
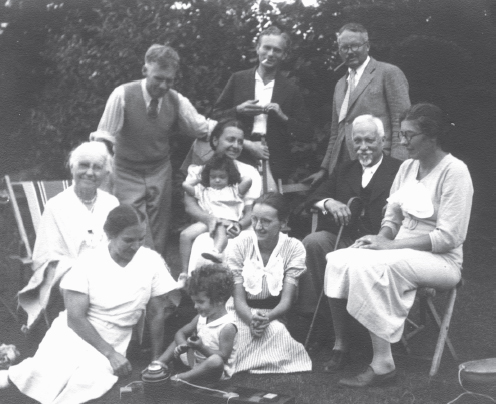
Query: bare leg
186	240
220	238
340	318
4	379
209	370
383	361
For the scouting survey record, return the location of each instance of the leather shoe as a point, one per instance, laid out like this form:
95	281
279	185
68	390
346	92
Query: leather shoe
338	361
368	378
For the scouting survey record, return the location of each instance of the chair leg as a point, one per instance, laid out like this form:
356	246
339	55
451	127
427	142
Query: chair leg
443	333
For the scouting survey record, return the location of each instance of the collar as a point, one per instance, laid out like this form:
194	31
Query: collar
147	96
258	79
359	70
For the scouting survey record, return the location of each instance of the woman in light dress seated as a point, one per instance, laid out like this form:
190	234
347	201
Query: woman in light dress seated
266	265
71	223
106	293
419	244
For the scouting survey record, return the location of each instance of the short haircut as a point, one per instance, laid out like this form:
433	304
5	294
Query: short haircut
95	149
120	218
163	55
220	163
214	279
354	27
369	119
273	30
223	124
276	201
431	120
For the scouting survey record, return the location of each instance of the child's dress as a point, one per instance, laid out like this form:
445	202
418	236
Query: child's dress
210	336
224	203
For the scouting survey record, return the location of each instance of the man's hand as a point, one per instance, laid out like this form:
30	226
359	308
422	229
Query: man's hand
273	107
120	364
339	211
250	108
315	179
257	150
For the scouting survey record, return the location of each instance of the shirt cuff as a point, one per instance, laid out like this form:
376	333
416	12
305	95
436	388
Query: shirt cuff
321	205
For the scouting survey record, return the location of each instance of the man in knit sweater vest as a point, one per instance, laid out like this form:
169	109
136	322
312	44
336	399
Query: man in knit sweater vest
141	116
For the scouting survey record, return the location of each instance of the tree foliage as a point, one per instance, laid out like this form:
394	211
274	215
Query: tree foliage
62	60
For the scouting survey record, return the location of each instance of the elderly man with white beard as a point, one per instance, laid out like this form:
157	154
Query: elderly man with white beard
369	177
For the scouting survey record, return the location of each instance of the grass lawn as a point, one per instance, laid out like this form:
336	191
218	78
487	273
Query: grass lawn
473	332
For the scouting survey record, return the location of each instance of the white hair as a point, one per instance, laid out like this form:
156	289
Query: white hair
370	119
96	149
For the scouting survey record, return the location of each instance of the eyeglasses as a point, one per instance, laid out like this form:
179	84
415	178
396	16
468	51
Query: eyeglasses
353	48
263	222
408	136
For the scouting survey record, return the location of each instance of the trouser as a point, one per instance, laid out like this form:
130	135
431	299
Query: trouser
149	190
317	246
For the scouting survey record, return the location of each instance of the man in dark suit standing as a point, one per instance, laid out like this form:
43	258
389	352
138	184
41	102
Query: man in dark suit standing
269	104
369	87
369	177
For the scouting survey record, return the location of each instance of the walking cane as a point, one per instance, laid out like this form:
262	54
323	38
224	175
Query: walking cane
265	186
338	239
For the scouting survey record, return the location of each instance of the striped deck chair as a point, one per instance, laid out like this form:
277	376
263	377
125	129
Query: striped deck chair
36	193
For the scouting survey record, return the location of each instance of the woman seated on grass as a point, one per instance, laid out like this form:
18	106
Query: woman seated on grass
211	335
106	292
266	265
420	244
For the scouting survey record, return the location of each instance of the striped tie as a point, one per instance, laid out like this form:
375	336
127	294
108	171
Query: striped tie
351	87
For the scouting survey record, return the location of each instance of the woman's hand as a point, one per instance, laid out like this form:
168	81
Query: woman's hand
233	229
374	243
180	349
258	324
120	364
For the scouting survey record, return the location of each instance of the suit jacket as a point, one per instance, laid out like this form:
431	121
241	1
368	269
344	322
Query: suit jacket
240	88
346	182
382	92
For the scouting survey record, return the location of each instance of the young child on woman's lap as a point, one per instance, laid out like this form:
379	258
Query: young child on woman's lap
211	335
219	193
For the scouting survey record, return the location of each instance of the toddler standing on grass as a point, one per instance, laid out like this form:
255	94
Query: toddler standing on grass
219	193
211	335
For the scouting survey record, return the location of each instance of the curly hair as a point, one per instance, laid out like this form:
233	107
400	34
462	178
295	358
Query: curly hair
220	163
214	279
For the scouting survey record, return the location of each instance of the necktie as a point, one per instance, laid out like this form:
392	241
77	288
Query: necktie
351	87
153	108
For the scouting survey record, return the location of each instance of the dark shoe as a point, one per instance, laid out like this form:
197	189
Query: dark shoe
368	378
213	256
338	361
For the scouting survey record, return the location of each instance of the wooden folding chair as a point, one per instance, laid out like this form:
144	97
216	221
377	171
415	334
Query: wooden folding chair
37	193
426	306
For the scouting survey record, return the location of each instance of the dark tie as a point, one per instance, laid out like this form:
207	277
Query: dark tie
153	108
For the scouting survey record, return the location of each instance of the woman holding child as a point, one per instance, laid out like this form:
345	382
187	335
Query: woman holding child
83	353
266	265
419	244
227	141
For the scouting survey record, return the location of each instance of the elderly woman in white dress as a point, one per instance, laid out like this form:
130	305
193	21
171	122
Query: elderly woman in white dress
71	223
266	265
419	244
106	293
